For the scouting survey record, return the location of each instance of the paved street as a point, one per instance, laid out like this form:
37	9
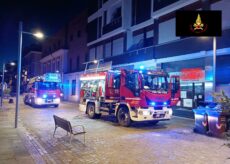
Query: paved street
106	142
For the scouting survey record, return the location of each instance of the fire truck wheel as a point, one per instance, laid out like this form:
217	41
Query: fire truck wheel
56	106
91	111
206	122
98	116
123	117
25	101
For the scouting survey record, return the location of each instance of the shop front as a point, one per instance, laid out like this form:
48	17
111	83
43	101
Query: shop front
192	87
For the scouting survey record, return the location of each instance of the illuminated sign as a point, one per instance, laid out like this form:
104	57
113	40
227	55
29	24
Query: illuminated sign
96	76
192	74
198	23
52	77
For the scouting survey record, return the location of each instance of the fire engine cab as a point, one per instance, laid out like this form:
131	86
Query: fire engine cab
44	90
130	95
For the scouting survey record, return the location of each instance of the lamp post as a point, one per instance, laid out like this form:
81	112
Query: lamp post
21	32
214	64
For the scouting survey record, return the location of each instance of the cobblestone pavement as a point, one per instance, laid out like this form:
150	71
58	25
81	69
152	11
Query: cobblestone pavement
168	142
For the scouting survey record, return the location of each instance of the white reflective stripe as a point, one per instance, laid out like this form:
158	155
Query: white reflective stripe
132	98
93	78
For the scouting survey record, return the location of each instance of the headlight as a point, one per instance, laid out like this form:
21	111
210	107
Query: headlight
145	113
170	112
44	96
39	100
57	100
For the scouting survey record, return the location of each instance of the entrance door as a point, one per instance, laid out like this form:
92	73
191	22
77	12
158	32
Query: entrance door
198	93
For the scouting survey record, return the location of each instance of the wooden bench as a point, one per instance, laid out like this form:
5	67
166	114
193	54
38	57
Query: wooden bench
66	125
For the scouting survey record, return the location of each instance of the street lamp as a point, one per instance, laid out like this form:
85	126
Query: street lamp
38	35
3	75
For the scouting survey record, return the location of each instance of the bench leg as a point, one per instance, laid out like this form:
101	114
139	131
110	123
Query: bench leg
84	138
71	137
55	130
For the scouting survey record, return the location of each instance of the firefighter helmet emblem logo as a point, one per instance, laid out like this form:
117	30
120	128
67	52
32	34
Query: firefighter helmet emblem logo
198	26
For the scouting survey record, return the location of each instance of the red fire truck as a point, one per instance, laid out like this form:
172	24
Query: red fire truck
129	95
44	90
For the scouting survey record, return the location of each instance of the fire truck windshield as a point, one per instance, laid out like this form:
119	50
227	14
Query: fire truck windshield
153	82
47	85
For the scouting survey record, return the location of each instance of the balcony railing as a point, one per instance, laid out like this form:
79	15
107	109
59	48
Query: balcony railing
114	24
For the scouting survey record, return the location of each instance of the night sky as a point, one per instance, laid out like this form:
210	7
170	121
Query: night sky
45	15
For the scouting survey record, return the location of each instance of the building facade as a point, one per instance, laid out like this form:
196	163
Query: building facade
77	53
65	52
31	62
131	33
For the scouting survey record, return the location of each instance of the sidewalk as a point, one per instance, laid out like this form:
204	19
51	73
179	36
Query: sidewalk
168	142
12	147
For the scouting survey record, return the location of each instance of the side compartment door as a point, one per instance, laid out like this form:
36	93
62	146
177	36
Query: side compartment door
175	89
113	86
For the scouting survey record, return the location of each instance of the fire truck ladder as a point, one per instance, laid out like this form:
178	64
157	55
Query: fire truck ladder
97	66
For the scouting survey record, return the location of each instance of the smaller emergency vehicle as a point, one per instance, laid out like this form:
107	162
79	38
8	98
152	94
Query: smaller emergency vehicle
44	90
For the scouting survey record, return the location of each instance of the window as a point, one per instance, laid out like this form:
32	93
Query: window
132	83
141	11
156	83
79	34
100	52
47	85
92	30
108	49
59	44
73	87
158	4
118	46
78	63
70	64
99	27
58	64
100	3
92	52
116	81
71	37
105	17
54	46
53	65
44	68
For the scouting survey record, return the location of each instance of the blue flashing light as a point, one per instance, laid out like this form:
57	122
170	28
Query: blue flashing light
142	67
165	103
44	96
153	103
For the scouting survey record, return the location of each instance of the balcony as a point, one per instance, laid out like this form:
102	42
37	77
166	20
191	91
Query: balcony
114	24
133	56
171	49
